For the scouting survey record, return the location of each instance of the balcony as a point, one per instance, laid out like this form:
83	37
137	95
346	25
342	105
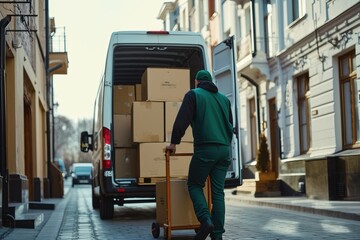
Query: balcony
59	62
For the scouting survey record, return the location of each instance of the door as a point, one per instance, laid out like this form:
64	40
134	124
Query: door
274	136
224	72
28	145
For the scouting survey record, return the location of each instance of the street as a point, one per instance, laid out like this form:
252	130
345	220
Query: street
133	221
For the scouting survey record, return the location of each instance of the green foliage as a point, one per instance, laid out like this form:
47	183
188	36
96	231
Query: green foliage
263	155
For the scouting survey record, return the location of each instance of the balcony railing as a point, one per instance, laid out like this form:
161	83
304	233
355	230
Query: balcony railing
58	40
58	53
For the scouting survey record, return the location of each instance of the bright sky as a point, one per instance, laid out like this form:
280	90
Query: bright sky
88	26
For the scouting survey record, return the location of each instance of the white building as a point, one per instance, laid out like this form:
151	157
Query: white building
298	66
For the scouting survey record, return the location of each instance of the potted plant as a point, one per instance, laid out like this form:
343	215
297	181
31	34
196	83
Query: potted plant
263	161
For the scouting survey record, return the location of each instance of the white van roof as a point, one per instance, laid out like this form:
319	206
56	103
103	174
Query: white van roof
131	52
163	37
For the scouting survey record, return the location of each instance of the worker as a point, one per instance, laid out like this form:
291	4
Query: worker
209	114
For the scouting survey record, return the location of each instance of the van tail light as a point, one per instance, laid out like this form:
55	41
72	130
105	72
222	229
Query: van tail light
106	163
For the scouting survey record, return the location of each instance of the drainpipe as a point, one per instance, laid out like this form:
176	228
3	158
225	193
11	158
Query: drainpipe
257	101
4	172
48	88
254	50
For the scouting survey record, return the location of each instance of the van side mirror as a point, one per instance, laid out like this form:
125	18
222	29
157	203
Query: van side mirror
85	145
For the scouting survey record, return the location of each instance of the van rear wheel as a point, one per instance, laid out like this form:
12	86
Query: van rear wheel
106	207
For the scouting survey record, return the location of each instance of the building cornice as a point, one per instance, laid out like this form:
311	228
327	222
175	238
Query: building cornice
165	9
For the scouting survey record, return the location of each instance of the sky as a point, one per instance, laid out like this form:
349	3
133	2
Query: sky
88	26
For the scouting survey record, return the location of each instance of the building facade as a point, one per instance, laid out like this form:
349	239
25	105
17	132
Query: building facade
26	134
298	65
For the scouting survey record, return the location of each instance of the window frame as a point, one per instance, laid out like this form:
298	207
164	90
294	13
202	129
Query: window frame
252	127
349	78
303	96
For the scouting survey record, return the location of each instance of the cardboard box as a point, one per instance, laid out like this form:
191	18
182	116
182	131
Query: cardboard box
165	84
152	160
148	122
138	92
181	207
126	163
171	110
122	131
124	96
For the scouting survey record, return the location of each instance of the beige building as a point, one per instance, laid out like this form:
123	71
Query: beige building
26	146
298	77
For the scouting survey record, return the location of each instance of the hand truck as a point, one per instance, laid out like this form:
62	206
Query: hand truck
167	225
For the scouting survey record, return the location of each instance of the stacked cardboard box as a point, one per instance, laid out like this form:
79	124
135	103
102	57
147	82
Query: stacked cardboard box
148	122
152	160
165	84
126	159
180	216
143	119
171	110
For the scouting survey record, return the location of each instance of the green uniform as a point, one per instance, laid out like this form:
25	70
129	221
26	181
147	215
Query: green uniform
209	114
212	131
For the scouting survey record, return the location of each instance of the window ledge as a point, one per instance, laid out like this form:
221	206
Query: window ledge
297	21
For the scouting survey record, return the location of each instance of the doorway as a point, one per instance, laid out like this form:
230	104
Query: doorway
28	145
274	136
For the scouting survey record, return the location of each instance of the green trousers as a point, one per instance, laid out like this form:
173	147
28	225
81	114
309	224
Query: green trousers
209	160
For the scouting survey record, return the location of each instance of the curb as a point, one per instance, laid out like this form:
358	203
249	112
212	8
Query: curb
317	211
51	228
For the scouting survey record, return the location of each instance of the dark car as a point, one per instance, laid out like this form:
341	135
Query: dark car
81	173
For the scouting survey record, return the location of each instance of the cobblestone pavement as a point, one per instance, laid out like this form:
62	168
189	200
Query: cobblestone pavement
74	218
242	222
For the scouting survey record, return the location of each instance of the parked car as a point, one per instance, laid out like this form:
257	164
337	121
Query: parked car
81	173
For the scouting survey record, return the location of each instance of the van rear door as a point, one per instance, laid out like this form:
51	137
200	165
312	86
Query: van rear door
224	72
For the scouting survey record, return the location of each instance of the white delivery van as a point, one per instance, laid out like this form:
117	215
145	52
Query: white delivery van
129	55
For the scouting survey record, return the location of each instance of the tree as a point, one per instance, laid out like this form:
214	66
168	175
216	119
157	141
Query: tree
263	155
64	135
67	140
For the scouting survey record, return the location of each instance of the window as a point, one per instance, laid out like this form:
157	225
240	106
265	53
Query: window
211	8
184	18
304	112
252	135
349	100
267	25
247	21
239	27
296	9
202	16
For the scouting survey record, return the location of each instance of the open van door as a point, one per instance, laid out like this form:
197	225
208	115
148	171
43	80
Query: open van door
224	72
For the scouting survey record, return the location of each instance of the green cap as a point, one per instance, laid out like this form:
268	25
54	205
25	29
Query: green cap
203	75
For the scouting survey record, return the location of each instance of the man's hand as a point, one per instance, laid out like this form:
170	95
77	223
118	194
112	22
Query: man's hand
171	147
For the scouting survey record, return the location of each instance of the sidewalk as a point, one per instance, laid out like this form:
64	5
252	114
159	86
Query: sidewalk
48	229
341	209
53	218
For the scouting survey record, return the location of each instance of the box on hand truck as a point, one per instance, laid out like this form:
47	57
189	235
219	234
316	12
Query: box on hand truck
174	208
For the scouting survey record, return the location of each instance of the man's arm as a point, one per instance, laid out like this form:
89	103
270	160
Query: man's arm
184	117
183	120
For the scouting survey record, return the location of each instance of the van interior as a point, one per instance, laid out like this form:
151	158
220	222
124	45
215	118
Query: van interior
130	62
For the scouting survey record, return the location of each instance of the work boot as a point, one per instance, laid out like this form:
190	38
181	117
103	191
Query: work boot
206	228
